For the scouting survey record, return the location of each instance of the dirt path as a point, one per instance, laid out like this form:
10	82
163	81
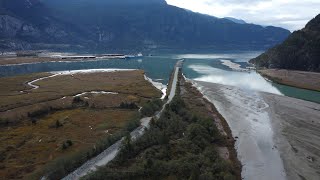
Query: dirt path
31	83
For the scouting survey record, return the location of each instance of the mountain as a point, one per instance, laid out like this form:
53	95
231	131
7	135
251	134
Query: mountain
300	51
27	24
238	21
118	25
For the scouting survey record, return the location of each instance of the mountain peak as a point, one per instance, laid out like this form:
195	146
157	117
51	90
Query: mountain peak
238	21
163	2
314	24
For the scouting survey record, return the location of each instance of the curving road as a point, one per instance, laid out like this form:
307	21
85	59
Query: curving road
110	153
31	83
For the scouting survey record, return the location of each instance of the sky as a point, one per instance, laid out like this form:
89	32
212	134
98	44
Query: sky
289	14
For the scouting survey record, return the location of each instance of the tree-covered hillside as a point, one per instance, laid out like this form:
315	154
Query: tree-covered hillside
300	51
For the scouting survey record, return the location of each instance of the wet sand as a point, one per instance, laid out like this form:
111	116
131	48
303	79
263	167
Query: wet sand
277	137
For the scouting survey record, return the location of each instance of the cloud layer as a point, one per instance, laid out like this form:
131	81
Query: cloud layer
290	14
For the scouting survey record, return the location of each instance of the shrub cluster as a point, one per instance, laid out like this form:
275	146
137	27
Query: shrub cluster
66	144
151	107
126	105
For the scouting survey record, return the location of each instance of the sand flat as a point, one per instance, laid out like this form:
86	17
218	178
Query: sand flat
296	125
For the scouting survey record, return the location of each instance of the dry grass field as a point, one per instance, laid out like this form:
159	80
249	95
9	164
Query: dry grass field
25	60
40	125
300	79
129	82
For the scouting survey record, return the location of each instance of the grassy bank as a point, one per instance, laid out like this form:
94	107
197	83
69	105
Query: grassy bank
299	79
29	60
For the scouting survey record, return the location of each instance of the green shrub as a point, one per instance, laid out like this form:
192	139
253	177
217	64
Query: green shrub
77	100
151	107
58	124
69	142
66	144
126	105
3	122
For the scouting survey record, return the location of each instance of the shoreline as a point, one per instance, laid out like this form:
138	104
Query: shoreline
298	79
163	88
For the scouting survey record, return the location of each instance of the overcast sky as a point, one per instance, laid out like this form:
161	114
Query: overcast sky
290	14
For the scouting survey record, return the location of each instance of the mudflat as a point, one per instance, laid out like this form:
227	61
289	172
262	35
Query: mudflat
300	79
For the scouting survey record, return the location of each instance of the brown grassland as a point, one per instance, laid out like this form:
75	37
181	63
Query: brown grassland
36	123
27	60
300	79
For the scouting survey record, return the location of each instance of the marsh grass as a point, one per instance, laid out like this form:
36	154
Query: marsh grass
31	143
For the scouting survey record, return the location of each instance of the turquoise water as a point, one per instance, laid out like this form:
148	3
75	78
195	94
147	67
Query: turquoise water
210	69
203	67
308	95
157	68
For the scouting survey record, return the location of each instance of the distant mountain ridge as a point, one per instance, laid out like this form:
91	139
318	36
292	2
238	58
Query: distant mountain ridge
300	51
116	25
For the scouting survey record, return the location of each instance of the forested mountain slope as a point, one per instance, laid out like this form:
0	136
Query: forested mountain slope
300	51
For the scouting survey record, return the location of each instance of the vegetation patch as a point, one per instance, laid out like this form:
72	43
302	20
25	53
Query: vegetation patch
180	145
151	107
